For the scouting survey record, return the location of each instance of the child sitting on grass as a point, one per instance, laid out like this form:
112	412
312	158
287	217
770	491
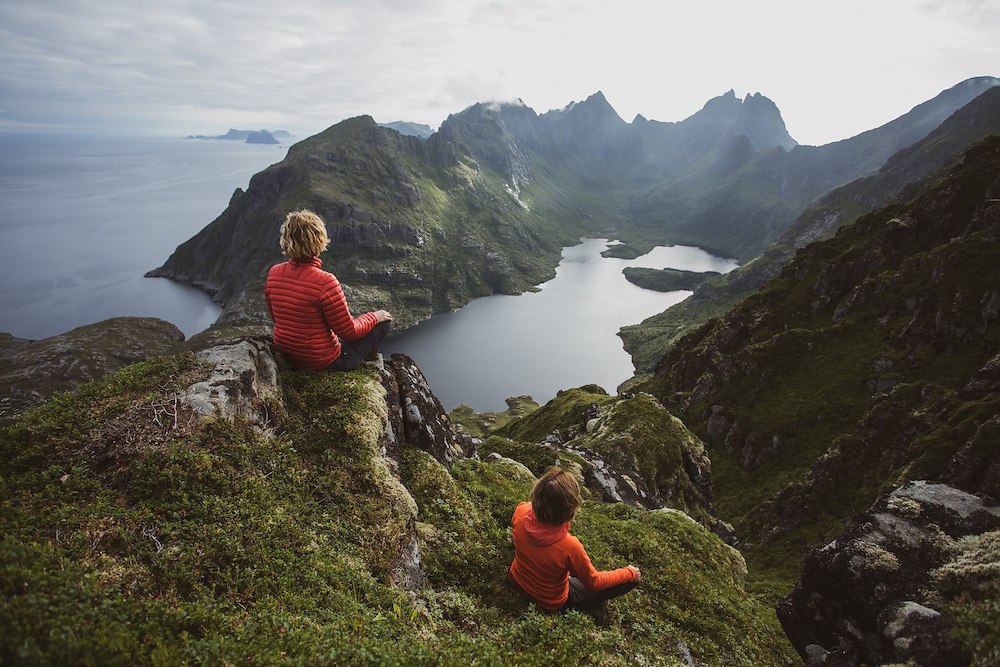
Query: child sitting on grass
550	565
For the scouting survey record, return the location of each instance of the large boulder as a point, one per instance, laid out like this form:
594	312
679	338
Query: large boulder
243	382
880	592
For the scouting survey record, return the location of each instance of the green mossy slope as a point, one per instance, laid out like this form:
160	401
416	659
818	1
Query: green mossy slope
129	540
853	370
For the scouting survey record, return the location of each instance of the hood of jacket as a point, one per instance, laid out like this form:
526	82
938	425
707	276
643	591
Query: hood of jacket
543	534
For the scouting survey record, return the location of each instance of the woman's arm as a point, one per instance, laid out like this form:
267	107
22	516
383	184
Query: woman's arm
338	315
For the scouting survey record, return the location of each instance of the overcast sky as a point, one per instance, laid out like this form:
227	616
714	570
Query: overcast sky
199	67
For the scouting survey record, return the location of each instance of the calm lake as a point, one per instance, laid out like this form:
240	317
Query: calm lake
540	342
83	218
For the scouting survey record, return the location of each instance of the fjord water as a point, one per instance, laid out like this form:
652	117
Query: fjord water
83	218
563	336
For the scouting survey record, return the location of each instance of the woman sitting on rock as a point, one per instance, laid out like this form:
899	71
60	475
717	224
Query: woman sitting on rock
312	323
550	565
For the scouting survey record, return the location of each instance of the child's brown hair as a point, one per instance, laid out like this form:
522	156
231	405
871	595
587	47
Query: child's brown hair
555	497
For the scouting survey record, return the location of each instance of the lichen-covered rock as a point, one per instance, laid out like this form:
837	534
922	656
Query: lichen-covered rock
879	593
627	449
641	454
416	416
517	469
243	382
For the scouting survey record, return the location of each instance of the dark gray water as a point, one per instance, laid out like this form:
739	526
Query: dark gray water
83	218
538	343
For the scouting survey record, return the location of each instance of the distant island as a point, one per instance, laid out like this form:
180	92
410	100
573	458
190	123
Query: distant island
248	136
666	280
419	130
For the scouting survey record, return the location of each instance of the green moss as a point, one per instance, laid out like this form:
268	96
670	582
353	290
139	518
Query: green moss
481	424
638	434
219	545
566	410
537	457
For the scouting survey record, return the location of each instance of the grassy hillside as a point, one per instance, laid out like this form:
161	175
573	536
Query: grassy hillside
133	532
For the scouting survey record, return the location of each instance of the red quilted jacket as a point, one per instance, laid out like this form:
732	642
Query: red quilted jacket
309	312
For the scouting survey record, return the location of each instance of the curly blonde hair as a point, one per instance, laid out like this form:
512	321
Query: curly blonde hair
303	235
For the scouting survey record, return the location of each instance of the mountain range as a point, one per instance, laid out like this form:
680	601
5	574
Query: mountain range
484	204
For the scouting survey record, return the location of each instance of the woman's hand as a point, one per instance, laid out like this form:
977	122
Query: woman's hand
383	316
638	574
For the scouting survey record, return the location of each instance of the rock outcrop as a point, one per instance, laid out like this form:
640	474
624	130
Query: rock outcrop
243	383
628	449
880	593
33	370
416	416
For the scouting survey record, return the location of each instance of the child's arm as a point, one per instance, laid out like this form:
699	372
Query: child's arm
594	579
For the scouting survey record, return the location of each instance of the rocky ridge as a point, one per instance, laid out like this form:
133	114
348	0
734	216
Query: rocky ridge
899	178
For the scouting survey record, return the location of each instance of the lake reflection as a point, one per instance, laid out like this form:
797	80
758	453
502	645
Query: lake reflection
538	343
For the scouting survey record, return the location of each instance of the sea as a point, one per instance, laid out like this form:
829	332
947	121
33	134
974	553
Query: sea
82	218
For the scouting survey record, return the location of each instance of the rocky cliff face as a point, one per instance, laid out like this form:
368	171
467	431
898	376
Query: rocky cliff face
891	587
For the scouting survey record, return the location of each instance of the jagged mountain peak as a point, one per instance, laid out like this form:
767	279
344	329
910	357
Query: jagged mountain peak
595	106
755	116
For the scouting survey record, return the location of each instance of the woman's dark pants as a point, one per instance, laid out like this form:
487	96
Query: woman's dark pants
352	353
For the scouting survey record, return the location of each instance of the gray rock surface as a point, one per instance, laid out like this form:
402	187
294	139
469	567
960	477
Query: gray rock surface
875	595
242	383
416	416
